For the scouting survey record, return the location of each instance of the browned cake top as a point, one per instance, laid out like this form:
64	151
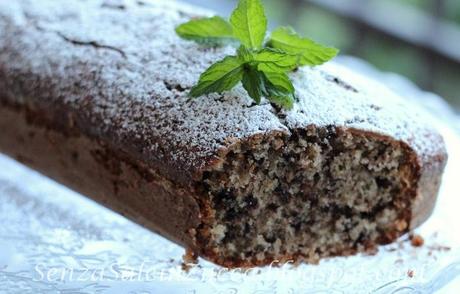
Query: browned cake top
120	71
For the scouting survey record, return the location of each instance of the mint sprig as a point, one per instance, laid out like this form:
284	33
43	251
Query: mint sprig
261	67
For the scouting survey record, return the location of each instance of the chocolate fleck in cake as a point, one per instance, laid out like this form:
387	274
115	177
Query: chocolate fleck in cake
94	95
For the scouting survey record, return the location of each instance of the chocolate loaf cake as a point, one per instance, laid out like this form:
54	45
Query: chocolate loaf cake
94	95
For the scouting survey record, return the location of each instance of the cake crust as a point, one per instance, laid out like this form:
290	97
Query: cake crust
144	148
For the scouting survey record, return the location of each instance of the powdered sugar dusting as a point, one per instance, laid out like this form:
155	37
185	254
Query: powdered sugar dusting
120	68
334	95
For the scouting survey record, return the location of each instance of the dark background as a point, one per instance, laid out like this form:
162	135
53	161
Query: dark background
419	39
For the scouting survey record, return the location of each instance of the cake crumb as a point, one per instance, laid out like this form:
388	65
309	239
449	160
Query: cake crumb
416	240
190	258
410	273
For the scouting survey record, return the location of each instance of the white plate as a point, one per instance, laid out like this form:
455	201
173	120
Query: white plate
53	240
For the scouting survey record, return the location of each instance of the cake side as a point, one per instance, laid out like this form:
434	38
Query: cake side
366	169
102	172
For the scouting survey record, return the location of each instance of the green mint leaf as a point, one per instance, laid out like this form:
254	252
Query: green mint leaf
309	52
219	77
272	60
249	23
279	89
214	30
281	81
254	83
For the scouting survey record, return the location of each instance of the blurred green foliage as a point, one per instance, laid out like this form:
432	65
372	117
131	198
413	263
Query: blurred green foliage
452	7
386	54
